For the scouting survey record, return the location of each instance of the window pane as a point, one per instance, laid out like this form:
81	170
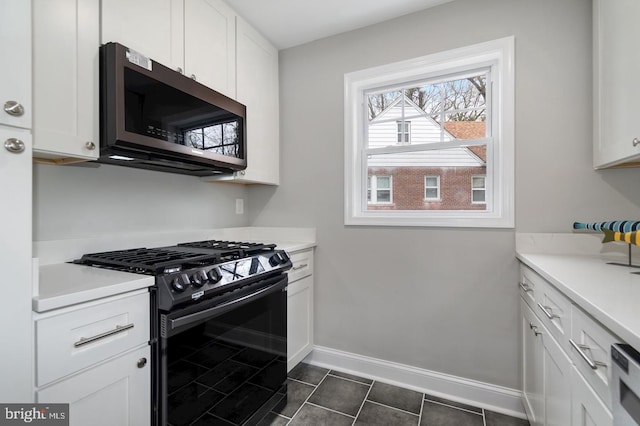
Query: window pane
478	196
384	196
415	179
477	182
431	181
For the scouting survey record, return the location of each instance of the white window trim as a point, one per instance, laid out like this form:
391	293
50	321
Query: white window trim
406	124
498	54
376	202
484	188
438	198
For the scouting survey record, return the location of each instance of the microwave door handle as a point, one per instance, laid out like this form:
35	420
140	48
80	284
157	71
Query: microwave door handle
225	307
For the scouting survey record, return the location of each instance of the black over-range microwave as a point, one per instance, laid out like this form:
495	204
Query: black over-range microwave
153	117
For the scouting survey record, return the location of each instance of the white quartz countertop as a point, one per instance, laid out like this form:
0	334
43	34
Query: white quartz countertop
67	284
609	293
58	284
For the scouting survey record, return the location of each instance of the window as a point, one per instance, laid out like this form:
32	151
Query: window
404	131
379	190
432	188
478	189
439	118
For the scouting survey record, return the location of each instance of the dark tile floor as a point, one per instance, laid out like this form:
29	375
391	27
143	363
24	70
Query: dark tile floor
321	397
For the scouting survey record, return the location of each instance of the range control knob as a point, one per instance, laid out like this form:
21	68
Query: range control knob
285	257
180	283
199	278
214	275
278	259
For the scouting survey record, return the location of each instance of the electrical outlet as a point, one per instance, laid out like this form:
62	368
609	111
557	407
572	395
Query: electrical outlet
239	206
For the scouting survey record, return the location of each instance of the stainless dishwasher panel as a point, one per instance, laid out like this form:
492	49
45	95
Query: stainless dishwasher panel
625	385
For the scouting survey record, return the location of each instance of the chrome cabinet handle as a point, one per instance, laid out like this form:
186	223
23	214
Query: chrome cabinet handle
13	108
635	141
525	287
581	348
546	310
141	362
535	330
118	329
14	145
295	268
90	146
179	70
193	76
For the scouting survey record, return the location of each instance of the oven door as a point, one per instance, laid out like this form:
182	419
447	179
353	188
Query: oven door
625	385
226	360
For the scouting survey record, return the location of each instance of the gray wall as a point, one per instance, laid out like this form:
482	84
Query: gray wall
441	299
73	202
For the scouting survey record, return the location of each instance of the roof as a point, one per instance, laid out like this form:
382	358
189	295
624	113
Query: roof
469	130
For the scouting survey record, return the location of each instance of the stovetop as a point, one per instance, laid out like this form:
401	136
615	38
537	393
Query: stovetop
189	272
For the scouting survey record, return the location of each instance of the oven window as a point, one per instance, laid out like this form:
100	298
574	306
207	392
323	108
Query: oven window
160	111
227	367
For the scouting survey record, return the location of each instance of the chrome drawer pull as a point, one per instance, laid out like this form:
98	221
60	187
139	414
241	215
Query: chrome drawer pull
525	287
546	310
295	268
581	348
535	331
118	329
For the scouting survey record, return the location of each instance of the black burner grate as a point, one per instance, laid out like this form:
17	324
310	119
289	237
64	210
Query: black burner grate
145	260
241	249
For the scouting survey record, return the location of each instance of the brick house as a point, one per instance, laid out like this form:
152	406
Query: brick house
440	179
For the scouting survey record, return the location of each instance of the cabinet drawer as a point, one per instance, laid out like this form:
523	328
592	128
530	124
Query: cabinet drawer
590	352
75	339
529	285
302	264
554	309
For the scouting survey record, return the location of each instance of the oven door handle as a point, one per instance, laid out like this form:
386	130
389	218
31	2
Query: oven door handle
225	307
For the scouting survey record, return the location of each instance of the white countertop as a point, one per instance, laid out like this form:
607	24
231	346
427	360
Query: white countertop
58	284
67	284
609	293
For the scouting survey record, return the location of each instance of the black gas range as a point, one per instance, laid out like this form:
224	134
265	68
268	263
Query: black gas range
218	328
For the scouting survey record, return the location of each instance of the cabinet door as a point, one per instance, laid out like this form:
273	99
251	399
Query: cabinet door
117	392
616	94
210	44
587	409
532	366
65	78
299	320
15	263
15	51
152	27
257	82
557	382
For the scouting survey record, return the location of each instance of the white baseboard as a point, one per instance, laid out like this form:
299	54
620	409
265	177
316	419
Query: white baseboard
484	395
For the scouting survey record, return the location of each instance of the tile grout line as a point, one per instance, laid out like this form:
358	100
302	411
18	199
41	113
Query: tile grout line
303	382
363	401
308	396
457	408
330	409
421	410
393	408
351	380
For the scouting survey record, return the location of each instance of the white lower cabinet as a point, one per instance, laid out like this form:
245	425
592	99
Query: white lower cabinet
546	374
587	409
96	357
117	392
559	388
300	308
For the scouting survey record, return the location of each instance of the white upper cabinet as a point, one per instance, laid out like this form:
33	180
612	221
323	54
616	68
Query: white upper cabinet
616	90
195	37
152	27
210	44
15	51
257	88
65	79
